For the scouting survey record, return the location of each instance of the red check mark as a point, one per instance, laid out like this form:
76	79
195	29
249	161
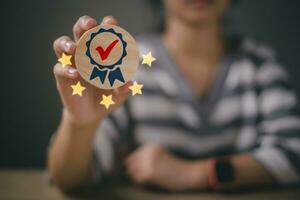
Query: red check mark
105	53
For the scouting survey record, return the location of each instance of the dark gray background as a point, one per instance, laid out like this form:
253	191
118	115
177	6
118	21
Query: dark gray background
30	106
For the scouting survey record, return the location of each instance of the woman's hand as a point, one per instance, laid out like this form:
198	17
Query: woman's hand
85	109
150	164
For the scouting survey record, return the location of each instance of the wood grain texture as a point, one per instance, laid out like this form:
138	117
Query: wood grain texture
130	62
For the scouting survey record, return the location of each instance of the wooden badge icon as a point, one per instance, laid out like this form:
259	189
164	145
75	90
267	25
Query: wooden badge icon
107	56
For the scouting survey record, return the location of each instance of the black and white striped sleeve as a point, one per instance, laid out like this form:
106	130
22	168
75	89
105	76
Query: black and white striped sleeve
111	142
279	142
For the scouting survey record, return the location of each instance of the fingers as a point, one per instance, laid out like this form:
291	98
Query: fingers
64	44
66	72
133	170
124	89
120	99
137	168
109	20
121	94
136	174
83	24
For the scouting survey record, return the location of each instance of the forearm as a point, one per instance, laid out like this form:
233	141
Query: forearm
70	154
248	173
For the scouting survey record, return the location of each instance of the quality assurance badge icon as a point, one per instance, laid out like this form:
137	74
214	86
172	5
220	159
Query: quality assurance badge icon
107	56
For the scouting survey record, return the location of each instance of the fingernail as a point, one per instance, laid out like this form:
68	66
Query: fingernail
105	20
108	19
71	71
68	46
86	22
89	22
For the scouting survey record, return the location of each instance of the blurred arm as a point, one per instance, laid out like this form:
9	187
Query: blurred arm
276	158
70	154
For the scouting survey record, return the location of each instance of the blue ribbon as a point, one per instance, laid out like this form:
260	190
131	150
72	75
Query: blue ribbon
112	75
103	71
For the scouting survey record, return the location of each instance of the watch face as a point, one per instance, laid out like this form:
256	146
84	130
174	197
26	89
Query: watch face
107	56
224	171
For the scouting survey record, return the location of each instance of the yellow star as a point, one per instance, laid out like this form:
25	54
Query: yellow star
77	89
148	59
136	88
65	59
107	101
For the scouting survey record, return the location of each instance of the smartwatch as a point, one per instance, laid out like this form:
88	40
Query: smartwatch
220	172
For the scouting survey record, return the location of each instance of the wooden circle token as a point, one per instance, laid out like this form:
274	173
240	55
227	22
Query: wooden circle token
107	56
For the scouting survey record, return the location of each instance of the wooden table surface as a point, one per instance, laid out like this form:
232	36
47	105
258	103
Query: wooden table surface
33	185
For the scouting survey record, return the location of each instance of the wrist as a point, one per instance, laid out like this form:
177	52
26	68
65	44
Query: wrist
199	174
81	124
221	173
86	128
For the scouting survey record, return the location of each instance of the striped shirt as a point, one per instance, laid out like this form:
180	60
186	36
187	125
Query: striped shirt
250	108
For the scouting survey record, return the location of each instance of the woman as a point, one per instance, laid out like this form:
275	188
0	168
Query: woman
216	111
